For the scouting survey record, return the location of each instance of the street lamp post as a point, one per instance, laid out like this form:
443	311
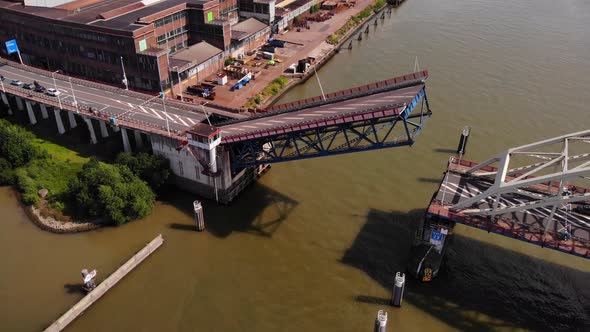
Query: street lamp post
124	76
163	96
73	95
179	84
57	91
205	112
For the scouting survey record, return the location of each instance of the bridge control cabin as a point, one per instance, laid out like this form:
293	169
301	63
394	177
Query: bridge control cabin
204	136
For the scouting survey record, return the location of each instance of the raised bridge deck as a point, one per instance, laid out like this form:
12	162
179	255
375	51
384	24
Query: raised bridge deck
526	225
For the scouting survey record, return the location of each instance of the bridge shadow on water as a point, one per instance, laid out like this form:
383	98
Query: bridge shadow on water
515	290
259	210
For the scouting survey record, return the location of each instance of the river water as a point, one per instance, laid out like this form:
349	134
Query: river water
314	245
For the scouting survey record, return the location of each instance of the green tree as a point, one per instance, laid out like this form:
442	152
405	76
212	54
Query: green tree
153	169
16	144
111	191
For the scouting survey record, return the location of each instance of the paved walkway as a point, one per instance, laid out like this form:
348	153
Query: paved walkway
314	44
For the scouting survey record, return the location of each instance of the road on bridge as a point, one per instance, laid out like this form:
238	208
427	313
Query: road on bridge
107	101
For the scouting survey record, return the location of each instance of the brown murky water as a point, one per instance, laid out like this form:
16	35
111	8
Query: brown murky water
315	244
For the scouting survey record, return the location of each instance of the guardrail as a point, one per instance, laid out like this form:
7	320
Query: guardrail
217	109
95	114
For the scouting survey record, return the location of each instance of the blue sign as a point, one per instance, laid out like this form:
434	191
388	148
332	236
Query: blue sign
11	46
436	236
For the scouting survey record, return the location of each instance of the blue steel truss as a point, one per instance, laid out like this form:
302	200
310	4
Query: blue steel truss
377	133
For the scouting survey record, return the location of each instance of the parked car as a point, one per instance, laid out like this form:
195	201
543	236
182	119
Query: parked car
16	82
28	86
52	92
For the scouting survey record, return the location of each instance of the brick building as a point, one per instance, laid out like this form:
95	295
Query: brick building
90	38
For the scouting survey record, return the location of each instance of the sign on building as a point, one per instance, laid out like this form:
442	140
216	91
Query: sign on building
11	46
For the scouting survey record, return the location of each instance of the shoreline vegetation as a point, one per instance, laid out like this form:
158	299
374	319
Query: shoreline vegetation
64	192
355	21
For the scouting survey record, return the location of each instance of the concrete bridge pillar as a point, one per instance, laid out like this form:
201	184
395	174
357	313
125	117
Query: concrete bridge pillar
126	146
72	120
104	132
115	128
5	101
138	141
32	118
60	125
91	130
19	104
44	114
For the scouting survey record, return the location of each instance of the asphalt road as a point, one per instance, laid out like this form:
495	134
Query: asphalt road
351	106
122	105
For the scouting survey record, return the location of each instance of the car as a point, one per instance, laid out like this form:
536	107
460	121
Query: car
52	92
28	86
39	88
16	82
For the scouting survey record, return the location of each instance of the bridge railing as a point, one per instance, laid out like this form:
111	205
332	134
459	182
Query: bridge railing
352	91
576	245
91	113
325	122
218	109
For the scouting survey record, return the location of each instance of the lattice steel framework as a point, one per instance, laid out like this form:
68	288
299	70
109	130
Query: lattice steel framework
561	168
386	127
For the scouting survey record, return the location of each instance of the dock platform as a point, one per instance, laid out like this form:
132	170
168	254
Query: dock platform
105	286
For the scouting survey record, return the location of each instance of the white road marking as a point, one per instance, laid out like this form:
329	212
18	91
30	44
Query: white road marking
180	119
310	114
293	118
156	113
251	127
170	118
342	108
276	121
326	112
191	121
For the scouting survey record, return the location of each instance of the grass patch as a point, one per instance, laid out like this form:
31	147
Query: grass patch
272	89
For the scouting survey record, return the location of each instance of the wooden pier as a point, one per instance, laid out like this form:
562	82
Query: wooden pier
105	286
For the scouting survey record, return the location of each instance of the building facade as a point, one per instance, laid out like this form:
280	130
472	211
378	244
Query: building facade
111	40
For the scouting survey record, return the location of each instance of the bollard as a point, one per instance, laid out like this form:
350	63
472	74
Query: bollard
375	22
463	140
398	289
367	29
199	219
350	45
360	37
381	321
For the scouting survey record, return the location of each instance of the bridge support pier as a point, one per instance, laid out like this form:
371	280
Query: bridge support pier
115	128
91	130
60	125
5	101
30	112
19	104
44	114
138	141
104	132
126	146
72	120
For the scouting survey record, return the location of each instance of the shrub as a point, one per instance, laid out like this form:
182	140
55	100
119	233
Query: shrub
6	172
153	169
16	144
111	191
